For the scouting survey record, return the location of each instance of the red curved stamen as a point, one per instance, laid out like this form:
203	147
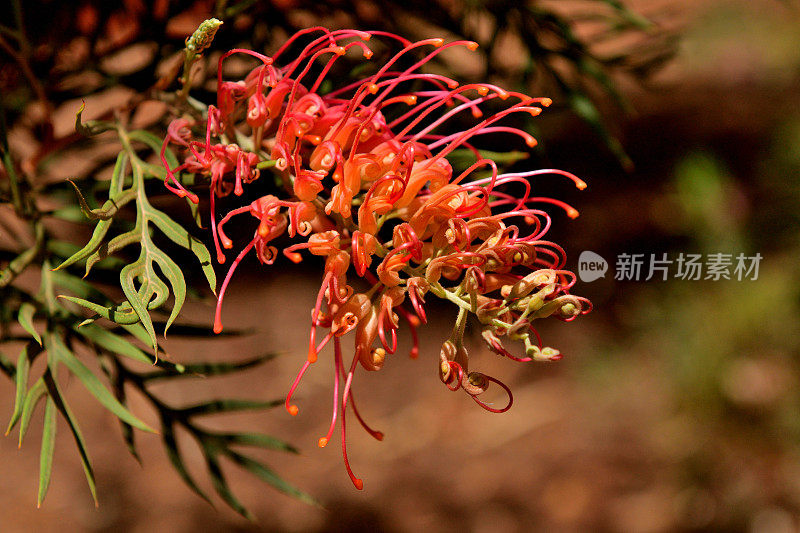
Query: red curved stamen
218	312
491	409
337	367
291	408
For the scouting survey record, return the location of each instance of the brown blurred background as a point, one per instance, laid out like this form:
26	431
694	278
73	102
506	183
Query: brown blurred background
675	408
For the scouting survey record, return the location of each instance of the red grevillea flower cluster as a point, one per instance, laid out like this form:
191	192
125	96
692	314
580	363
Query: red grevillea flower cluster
365	182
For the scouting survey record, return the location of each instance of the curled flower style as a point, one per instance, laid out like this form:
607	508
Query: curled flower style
362	175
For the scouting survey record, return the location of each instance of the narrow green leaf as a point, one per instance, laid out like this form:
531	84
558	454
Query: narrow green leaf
128	435
32	398
138	332
78	286
92	127
221	485
98	390
174	455
69	213
104	251
25	318
67	249
155	144
80	443
207	368
7	367
175	276
21	378
121	315
94	243
260	440
112	342
181	237
46	453
126	277
269	476
227	405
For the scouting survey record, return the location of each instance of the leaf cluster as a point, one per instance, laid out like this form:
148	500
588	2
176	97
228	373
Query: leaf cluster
45	322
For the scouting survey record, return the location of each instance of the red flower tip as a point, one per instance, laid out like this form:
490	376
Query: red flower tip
580	184
312	354
217	326
358	484
220	258
572	213
472	45
322	442
294	257
293	410
546	101
436	42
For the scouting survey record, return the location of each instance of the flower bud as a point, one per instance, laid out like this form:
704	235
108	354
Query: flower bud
542	354
475	383
527	284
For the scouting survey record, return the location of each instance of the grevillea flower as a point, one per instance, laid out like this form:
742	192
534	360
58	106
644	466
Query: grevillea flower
364	181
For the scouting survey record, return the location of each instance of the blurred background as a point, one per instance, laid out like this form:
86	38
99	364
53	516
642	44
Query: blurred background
677	404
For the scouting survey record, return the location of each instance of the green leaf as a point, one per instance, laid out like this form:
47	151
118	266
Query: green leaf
61	404
21	378
95	387
7	367
126	279
46	453
25	318
121	314
259	440
78	286
155	144
109	209
227	405
128	434
91	247
269	476
181	237
99	233
112	342
221	485
462	158
32	398
207	368
174	455
138	332
92	127
175	276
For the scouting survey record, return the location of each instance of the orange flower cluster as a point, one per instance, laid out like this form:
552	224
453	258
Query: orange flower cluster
368	186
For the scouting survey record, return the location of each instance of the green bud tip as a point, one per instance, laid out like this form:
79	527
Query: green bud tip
203	35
